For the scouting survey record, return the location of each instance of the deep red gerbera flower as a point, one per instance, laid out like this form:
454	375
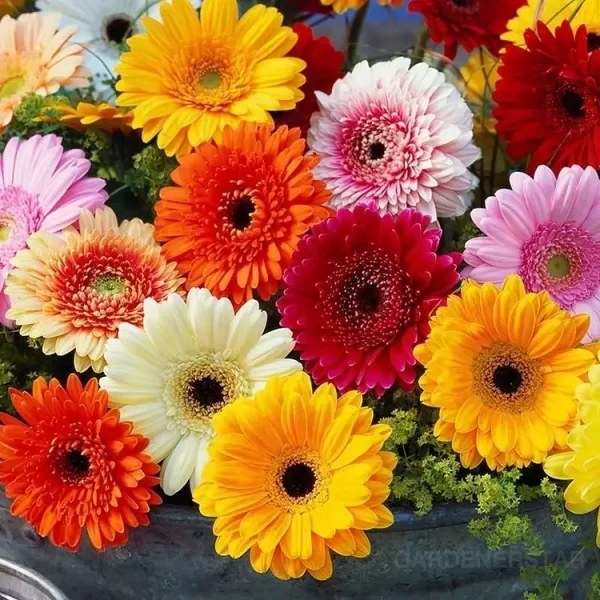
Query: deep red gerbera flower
548	99
323	68
74	466
359	293
467	23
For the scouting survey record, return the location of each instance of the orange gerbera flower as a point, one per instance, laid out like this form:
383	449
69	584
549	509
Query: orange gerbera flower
239	211
103	116
73	466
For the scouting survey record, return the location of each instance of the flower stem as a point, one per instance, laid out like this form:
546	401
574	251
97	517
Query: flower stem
421	44
354	34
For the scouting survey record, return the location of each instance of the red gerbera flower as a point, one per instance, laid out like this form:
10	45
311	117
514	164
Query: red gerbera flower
323	68
73	466
468	23
548	99
312	7
359	294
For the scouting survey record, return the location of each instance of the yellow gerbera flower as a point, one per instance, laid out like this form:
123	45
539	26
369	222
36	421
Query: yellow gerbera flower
579	12
581	463
103	116
502	366
187	78
341	6
295	474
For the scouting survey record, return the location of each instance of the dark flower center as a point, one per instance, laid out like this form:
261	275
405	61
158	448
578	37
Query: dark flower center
507	379
205	392
298	480
118	29
376	151
77	464
241	213
368	297
593	40
573	103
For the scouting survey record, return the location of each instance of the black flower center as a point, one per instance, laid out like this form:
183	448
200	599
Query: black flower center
205	392
368	297
573	103
593	40
118	29
298	480
507	379
241	213
376	151
77	464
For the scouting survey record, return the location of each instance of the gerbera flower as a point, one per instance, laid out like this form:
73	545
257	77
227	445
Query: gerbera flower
580	463
295	474
554	12
502	366
103	28
75	289
240	210
397	135
547	230
188	362
359	294
74	467
187	83
10	7
42	187
467	23
103	116
548	99
35	58
341	6
312	7
323	68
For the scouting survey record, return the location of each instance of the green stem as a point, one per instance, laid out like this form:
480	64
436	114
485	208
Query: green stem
354	35
421	42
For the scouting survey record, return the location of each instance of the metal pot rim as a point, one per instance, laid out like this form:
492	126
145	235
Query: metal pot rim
31	577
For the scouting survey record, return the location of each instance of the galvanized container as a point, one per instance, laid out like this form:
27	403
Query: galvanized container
20	583
428	558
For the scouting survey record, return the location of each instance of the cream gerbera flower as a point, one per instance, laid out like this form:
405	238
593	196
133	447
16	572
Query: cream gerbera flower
189	361
189	78
35	58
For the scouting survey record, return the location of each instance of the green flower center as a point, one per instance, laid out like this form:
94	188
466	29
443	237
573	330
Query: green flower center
211	80
5	230
558	266
109	285
11	86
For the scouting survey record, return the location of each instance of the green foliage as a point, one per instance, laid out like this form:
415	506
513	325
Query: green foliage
545	582
594	587
151	171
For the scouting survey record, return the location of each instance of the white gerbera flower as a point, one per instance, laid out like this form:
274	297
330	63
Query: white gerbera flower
189	361
399	136
103	25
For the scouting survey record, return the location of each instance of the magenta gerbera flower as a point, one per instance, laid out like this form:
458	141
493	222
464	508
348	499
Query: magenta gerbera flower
396	135
546	229
42	187
359	293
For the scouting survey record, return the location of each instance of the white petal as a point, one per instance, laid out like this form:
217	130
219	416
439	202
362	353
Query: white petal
247	327
162	444
201	461
283	366
273	345
201	307
222	320
179	466
148	419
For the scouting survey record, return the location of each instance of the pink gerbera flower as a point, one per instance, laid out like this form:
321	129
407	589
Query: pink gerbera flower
546	229
396	135
359	294
42	187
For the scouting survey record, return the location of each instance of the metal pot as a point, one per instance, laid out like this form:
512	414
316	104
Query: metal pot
19	583
418	558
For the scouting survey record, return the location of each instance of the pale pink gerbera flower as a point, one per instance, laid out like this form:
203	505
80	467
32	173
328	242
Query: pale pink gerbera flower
546	229
42	187
396	135
35	58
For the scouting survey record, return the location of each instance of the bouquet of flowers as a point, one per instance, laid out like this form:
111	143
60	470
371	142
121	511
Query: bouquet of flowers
243	268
